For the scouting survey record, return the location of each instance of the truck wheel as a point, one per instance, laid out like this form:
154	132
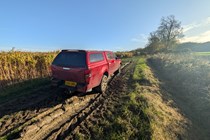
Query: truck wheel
118	71
103	85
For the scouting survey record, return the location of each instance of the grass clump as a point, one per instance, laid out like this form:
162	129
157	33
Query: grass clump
138	72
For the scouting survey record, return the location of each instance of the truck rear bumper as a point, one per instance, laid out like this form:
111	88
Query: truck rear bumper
80	87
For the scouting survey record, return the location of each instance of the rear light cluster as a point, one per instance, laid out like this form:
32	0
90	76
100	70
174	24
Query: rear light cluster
87	76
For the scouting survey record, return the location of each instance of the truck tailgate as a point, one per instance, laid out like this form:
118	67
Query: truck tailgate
69	74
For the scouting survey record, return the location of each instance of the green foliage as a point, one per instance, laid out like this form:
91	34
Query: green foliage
193	47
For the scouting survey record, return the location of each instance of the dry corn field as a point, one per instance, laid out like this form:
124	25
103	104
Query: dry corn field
21	66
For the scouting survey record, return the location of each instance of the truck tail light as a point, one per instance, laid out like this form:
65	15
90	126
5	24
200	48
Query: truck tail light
87	76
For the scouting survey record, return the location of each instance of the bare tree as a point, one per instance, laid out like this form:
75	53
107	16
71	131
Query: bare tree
169	31
154	43
166	36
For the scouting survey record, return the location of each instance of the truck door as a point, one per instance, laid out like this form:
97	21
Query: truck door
117	62
111	62
96	62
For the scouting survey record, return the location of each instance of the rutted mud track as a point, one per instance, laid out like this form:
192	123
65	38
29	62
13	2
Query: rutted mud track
49	115
99	111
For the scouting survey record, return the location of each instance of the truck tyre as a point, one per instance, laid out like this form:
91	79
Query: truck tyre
119	70
103	85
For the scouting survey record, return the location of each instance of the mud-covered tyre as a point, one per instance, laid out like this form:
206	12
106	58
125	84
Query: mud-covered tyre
103	85
119	70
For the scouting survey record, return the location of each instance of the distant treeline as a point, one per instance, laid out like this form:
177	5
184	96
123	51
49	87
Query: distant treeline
124	54
16	66
194	47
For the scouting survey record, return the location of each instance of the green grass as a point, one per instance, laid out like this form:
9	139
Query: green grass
125	60
22	89
202	53
187	77
125	119
139	69
130	59
165	122
128	119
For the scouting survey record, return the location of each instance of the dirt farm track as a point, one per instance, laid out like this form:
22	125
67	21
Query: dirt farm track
50	114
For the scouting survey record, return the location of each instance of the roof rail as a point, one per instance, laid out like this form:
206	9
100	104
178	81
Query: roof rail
72	50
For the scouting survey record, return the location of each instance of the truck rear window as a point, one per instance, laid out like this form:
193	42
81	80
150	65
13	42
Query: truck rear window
70	59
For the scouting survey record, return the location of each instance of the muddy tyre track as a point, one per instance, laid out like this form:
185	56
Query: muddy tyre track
108	101
20	111
66	118
48	114
54	118
24	102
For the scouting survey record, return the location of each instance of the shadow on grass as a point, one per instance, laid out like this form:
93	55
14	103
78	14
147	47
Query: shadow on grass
189	97
20	89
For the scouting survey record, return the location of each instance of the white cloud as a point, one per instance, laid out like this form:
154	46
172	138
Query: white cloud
140	38
197	31
207	21
189	27
194	25
203	37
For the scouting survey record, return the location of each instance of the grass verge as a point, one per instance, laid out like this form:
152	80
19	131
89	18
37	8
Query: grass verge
166	121
187	79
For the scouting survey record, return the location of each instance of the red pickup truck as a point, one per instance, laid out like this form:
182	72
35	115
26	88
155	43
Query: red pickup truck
83	70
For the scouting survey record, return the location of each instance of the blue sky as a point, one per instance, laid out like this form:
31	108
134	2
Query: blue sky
118	25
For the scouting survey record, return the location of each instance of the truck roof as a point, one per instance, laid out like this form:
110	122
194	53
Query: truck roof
74	50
